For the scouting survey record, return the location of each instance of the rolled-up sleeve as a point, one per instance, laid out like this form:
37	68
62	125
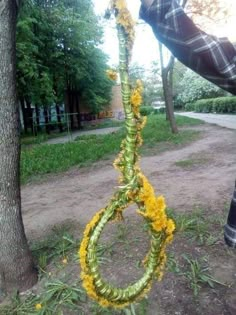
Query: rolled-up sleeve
211	57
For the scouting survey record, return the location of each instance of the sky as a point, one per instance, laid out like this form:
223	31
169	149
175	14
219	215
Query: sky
146	46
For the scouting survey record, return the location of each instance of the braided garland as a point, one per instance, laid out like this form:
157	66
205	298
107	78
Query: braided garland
134	189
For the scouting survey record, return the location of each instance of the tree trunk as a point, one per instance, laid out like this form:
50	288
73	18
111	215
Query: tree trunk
22	103
37	113
71	109
169	103
167	81
46	120
17	270
78	110
29	116
59	118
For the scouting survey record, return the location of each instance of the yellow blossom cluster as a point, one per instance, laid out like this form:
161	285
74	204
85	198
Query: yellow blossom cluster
136	96
154	211
155	208
112	74
124	19
38	306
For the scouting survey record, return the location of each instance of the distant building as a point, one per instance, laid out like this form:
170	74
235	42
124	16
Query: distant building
77	115
114	110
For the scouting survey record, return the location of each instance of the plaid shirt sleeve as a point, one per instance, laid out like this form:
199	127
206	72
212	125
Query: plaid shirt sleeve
211	57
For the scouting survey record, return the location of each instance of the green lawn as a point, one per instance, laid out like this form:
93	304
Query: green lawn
43	159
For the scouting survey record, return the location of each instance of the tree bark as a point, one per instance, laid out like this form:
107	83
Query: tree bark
22	102
78	110
37	113
167	81
59	118
17	271
29	115
46	120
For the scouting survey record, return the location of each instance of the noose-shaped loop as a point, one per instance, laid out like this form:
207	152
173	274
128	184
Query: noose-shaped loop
134	189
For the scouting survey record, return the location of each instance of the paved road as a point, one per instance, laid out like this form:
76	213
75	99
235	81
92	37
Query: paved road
76	134
228	121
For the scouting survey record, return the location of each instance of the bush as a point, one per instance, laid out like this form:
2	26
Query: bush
189	107
146	110
193	87
216	105
149	110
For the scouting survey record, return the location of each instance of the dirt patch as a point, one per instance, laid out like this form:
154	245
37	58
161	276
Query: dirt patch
78	194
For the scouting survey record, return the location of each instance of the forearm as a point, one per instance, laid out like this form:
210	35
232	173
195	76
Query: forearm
211	57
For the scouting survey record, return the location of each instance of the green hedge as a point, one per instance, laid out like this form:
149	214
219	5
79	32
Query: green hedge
189	107
213	105
149	110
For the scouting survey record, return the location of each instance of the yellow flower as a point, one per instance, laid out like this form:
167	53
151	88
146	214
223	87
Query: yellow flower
157	226
38	306
104	303
170	227
136	98
161	204
112	74
83	252
120	4
65	261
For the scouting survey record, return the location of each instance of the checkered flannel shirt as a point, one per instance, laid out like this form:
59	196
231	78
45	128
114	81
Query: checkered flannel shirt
211	57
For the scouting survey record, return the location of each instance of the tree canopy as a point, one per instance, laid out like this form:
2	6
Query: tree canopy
193	87
58	52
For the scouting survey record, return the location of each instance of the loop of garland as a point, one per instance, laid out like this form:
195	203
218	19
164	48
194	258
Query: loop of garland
134	189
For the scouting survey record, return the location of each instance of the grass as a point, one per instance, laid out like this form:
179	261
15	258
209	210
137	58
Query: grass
41	137
38	160
188	163
197	274
196	226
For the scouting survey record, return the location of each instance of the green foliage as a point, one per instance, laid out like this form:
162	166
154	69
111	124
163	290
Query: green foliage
146	110
58	244
152	82
189	107
57	51
197	274
192	87
216	105
45	159
149	110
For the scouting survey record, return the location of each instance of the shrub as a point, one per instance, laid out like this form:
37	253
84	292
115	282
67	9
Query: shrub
146	110
189	107
216	105
193	87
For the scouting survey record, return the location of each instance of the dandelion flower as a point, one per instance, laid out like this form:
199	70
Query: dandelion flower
38	306
65	261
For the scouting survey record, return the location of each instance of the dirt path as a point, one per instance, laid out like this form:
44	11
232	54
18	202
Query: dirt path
228	121
76	134
206	178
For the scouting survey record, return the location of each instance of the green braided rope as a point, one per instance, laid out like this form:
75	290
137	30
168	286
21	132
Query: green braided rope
134	189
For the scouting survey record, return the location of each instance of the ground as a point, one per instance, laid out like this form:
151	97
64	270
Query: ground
223	120
197	181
